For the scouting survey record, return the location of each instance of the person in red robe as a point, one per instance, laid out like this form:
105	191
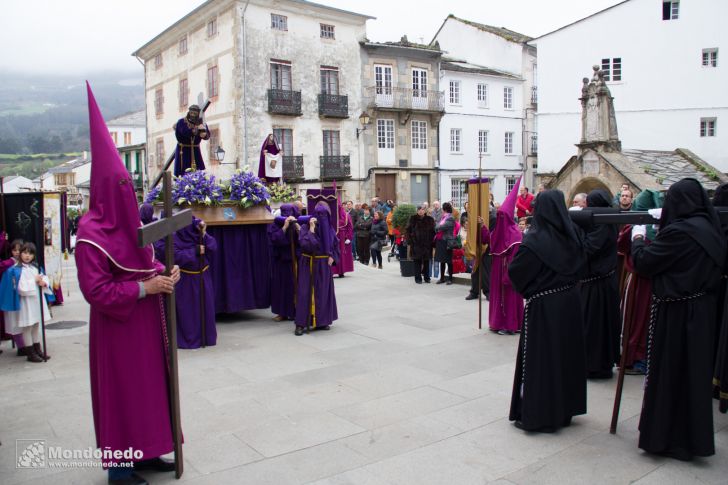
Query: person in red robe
127	337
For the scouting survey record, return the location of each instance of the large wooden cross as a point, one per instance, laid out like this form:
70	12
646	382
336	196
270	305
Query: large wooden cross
149	234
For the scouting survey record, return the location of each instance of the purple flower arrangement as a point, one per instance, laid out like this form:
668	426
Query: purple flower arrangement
153	195
248	190
196	187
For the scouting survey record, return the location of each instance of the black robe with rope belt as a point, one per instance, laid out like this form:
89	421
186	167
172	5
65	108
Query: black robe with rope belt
549	386
685	262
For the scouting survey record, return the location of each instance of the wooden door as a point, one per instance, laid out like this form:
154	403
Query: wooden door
385	186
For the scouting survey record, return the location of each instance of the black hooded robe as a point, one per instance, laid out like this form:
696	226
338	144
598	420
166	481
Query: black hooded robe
600	295
685	262
549	386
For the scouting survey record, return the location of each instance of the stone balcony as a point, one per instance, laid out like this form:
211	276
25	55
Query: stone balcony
395	99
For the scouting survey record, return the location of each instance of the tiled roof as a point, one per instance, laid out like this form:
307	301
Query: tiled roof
137	118
474	68
670	167
499	31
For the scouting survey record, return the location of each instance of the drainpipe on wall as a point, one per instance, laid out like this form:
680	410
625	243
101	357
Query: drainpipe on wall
245	92
145	169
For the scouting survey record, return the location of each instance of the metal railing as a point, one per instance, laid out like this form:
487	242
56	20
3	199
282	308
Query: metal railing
405	98
333	105
284	102
293	167
533	145
534	95
335	167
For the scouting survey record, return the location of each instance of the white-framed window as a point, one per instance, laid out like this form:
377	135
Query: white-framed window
212	28
184	93
159	152
612	69
158	61
508	97
710	57
508	145
327	31
385	134
458	192
454	92
708	126
482	95
510	183
383	78
183	46
419	83
670	9
455	137
483	141
278	22
419	135
213	81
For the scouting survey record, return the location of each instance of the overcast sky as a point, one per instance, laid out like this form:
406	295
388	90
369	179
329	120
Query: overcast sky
80	36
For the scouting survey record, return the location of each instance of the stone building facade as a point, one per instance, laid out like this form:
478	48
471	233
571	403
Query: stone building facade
289	67
401	93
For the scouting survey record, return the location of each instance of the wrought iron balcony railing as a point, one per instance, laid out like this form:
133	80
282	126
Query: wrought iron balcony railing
404	98
333	105
534	145
534	95
293	168
335	167
284	102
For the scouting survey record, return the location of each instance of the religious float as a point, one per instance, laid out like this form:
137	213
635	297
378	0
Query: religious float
237	213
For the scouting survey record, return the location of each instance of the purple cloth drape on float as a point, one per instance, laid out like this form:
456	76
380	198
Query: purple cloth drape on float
241	267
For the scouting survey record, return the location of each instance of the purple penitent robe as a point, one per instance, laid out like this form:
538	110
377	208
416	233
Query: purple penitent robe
188	150
187	257
284	253
127	354
346	233
314	274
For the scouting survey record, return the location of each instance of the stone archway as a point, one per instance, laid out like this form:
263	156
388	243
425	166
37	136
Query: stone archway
587	184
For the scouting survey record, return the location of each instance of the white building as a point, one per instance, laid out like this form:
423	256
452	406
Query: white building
16	183
128	129
664	70
490	106
66	177
289	67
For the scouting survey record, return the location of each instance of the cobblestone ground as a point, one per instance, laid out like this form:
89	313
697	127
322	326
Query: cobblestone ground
403	390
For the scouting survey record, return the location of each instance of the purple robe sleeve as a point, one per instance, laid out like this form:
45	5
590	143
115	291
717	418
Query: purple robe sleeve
210	244
183	132
277	236
116	299
309	241
484	235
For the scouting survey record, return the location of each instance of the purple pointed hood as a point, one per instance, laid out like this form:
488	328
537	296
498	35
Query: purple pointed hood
506	232
326	232
112	220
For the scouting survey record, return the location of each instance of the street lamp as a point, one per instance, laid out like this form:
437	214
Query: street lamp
364	120
219	154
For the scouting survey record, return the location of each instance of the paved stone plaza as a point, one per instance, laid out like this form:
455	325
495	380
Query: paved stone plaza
403	390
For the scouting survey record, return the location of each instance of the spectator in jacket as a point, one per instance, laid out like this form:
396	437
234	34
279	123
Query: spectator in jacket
444	230
420	234
363	236
523	203
378	237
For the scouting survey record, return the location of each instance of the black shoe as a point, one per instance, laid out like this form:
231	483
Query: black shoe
439	282
449	282
427	280
298	332
419	282
471	297
326	328
134	479
155	464
341	276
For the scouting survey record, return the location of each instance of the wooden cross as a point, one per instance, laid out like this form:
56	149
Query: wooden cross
149	234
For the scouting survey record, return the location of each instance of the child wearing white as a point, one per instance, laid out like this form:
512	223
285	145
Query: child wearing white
26	280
